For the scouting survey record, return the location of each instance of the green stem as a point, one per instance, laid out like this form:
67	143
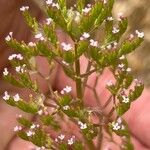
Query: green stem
78	79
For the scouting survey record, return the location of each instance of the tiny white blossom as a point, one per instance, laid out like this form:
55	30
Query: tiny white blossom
125	99
61	137
66	107
110	18
65	63
82	125
70	141
16	98
40	112
48	21
24	8
49	2
105	1
55	5
122	57
67	89
5	72
19	56
131	36
121	66
109	83
18	69
93	43
109	46
31	44
9	36
66	47
86	10
138	82
120	16
40	148
30	133
39	36
6	96
115	30
128	69
116	126
17	128
139	34
86	35
119	120
33	126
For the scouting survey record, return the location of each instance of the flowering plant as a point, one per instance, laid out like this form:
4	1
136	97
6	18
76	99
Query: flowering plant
80	23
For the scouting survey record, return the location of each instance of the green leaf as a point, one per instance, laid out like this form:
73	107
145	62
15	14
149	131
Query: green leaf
25	122
40	138
65	100
129	46
9	78
23	135
82	47
50	33
80	5
88	21
63	146
29	107
136	93
69	56
48	120
31	21
44	50
57	16
122	108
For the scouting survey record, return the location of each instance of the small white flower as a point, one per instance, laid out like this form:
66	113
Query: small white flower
56	140
55	5
121	66
61	137
139	34
70	141
6	96
40	148
66	47
24	8
110	18
49	21
19	56
109	83
128	69
122	57
5	72
86	35
116	126
16	98
105	1
86	10
67	89
119	120
137	82
66	107
65	63
9	36
115	30
39	36
131	36
33	126
49	2
40	112
17	128
30	133
31	44
18	69
82	125
109	46
120	16
93	43
125	99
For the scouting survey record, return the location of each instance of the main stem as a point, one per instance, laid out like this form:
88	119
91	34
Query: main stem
78	79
